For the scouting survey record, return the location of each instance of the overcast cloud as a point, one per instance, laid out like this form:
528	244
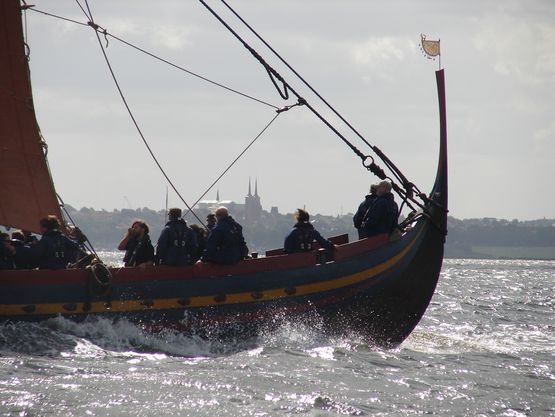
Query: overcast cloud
363	56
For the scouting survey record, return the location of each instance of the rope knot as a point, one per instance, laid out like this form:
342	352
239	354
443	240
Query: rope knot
100	29
300	102
93	25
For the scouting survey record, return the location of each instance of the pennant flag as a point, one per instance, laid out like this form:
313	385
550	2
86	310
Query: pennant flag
430	48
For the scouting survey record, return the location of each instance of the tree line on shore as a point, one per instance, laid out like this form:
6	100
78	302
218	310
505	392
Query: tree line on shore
106	228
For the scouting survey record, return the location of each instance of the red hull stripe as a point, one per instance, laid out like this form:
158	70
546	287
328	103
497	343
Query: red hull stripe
128	306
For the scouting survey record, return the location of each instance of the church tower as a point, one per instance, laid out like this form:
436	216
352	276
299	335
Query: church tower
253	208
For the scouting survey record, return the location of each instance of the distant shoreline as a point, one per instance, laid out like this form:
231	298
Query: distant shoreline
485	238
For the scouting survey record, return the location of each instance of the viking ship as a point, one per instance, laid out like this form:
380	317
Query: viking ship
378	287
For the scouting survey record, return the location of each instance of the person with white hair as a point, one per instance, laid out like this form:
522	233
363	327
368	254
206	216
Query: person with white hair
383	214
225	243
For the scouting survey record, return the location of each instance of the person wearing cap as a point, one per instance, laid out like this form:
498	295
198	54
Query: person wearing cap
177	244
363	208
137	245
225	243
382	216
54	250
303	235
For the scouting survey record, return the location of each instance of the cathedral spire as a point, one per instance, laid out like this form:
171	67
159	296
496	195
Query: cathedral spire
218	196
249	194
256	187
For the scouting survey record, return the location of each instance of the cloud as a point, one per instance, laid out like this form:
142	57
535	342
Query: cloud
171	37
175	38
520	49
544	140
376	52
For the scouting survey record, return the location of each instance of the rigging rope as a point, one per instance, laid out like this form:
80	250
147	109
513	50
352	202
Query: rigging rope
407	192
408	185
165	61
170	182
98	29
90	245
236	159
286	86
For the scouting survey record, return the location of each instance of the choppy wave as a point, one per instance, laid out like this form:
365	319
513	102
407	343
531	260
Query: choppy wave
485	346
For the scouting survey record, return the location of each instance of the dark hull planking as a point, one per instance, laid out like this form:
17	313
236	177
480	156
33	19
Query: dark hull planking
376	287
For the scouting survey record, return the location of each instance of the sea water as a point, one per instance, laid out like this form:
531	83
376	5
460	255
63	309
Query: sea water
485	347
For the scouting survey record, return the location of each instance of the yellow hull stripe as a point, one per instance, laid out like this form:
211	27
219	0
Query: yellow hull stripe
202	301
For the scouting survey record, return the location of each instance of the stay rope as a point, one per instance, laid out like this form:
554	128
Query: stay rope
368	162
99	30
152	55
135	123
236	159
406	193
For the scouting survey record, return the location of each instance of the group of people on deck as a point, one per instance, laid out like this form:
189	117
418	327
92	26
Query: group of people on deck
378	213
221	241
54	250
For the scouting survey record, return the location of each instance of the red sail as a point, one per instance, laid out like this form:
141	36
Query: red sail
26	189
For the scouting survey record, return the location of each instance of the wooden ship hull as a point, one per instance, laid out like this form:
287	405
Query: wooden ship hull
376	286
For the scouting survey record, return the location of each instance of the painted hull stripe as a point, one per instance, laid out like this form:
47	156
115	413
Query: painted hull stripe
129	306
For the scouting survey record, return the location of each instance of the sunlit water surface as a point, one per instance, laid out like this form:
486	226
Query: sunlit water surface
486	347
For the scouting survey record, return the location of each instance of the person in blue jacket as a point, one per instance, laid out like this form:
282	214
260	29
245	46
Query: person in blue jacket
23	254
382	216
363	209
303	235
54	250
177	244
225	243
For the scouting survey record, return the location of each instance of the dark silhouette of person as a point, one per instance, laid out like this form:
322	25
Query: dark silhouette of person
382	216
7	252
54	250
201	234
22	252
210	221
303	235
363	209
225	243
177	244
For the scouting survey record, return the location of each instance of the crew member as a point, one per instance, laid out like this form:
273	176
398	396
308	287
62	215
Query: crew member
382	217
22	253
54	250
225	243
6	252
363	209
177	244
137	245
210	221
303	235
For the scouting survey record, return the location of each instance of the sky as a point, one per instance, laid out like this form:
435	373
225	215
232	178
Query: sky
363	57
